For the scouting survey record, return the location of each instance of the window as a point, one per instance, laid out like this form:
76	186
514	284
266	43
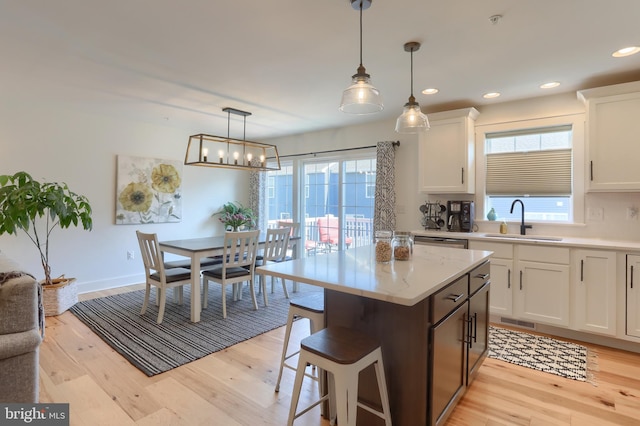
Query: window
340	191
535	164
280	192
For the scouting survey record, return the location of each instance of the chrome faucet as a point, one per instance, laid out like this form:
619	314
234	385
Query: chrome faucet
523	227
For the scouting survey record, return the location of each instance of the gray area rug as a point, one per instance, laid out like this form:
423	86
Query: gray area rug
552	356
155	348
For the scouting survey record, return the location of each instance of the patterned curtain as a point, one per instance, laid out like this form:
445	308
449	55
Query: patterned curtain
257	194
384	217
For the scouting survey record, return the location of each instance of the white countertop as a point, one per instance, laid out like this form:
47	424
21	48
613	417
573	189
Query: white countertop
354	271
573	242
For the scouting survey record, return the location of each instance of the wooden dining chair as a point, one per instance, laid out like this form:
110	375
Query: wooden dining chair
238	266
157	275
292	250
275	250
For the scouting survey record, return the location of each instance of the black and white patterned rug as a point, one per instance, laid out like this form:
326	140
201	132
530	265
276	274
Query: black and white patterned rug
155	348
553	356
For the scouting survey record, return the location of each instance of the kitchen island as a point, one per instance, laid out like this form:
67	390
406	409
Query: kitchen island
430	315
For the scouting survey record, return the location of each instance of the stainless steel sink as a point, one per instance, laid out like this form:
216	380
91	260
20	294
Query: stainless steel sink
524	237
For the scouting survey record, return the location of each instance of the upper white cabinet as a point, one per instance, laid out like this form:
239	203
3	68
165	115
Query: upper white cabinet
594	283
446	161
612	137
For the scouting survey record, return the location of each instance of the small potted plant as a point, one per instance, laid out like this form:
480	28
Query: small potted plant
235	216
37	208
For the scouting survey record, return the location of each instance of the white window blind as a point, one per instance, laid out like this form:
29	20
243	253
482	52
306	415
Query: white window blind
535	173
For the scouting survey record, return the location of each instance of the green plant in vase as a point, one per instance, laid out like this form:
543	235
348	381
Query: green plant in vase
234	216
24	202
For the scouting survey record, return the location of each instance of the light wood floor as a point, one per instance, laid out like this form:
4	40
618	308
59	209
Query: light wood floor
236	386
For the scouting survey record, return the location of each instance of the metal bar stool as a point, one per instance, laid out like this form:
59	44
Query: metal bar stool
343	353
312	308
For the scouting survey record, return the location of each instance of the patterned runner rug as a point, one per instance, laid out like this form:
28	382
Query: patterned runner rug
155	348
553	356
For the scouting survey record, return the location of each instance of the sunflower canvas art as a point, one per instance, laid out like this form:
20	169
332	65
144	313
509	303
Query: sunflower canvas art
149	190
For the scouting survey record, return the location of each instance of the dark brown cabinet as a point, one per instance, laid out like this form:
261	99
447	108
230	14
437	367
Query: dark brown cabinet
459	340
431	349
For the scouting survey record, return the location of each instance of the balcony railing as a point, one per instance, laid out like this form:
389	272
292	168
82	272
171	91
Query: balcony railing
357	231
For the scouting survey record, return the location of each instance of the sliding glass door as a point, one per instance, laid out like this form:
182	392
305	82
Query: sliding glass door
332	198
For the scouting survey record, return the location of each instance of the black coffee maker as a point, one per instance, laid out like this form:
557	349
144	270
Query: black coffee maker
460	216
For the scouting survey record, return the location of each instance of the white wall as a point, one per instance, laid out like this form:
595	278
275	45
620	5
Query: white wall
64	143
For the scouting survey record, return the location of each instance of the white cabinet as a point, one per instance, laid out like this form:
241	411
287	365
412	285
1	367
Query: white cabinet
633	295
612	137
446	163
542	293
529	282
594	285
501	295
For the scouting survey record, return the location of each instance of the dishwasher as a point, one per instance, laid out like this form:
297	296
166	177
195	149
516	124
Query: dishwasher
441	241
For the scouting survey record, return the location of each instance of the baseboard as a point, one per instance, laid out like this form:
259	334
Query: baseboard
88	287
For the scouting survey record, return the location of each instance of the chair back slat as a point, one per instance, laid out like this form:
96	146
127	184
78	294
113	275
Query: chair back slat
240	248
295	227
150	251
276	243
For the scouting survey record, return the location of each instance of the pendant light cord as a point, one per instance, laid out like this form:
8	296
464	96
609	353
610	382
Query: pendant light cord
412	73
361	32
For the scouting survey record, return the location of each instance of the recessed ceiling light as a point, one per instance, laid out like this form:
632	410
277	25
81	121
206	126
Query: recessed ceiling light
491	95
430	91
549	85
626	51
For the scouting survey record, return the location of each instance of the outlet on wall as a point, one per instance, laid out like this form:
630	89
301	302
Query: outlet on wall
595	214
632	213
130	255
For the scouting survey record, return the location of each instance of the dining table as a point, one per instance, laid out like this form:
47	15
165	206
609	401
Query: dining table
196	249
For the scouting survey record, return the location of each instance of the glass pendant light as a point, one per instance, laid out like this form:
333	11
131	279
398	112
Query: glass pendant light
412	119
361	97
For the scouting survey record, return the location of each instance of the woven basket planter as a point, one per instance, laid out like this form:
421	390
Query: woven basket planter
59	296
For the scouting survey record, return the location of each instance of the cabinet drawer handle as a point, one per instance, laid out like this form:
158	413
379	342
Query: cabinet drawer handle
631	281
581	270
462	175
508	278
455	297
482	276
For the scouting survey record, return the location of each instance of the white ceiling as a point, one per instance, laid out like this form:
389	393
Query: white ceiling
287	61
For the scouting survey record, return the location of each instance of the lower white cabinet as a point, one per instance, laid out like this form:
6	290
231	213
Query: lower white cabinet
594	285
529	282
543	292
633	295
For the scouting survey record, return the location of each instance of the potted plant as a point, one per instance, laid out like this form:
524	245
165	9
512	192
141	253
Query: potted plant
37	208
236	216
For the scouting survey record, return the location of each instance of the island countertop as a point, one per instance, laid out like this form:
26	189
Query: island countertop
354	271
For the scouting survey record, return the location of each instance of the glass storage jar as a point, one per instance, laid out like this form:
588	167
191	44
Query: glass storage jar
402	245
383	246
